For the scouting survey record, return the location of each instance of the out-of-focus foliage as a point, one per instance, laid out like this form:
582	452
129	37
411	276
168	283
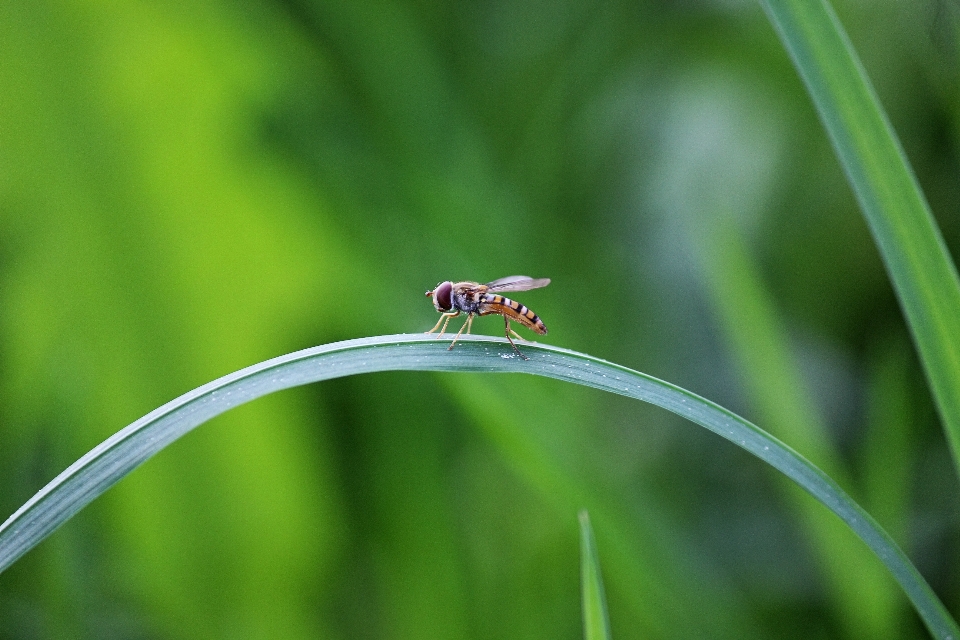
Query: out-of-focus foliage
189	188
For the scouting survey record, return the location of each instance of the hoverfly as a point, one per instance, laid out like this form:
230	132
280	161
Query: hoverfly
475	299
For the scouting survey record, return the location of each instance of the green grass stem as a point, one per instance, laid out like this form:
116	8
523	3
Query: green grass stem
596	620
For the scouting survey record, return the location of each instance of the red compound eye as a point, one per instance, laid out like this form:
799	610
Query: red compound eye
441	296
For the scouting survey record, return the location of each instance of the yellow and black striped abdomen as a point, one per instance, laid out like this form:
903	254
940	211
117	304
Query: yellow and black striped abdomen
513	310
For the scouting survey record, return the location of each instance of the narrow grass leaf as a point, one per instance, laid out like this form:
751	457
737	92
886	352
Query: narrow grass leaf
899	217
596	621
117	456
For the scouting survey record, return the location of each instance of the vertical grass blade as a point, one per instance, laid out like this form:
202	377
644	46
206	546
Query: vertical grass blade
596	622
900	220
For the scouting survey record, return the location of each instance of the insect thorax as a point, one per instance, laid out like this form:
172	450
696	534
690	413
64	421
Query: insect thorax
467	301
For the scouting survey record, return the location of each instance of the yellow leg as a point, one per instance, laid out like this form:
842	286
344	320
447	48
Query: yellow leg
444	318
507	331
517	335
457	337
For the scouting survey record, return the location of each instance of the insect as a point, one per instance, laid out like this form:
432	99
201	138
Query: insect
475	299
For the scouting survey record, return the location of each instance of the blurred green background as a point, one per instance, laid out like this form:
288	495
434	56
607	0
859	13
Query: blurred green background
189	188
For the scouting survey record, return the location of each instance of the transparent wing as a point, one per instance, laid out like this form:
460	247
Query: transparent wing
517	283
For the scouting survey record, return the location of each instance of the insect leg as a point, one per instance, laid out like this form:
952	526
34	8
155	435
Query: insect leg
444	318
517	335
457	337
446	322
506	332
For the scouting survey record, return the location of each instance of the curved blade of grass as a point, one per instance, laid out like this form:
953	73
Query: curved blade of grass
118	455
900	220
596	622
777	392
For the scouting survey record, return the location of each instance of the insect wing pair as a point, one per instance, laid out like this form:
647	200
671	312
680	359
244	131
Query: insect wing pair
475	299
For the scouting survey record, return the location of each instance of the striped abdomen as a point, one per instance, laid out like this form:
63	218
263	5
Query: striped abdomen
513	310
